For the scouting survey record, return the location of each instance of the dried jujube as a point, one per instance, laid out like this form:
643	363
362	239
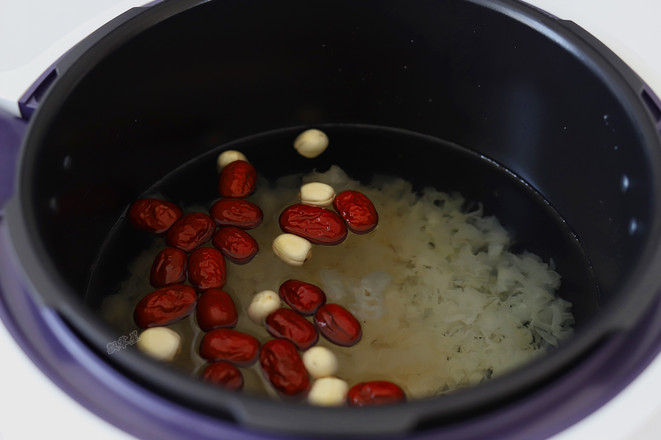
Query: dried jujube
216	309
165	306
338	325
191	231
153	215
357	211
303	297
379	392
229	345
236	244
314	223
207	268
284	367
287	324
237	179
169	267
223	374
237	212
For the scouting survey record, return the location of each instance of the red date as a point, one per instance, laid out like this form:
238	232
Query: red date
357	211
338	325
317	224
165	306
236	212
191	231
284	367
169	267
223	344
224	375
303	297
154	216
215	309
379	392
237	179
206	268
287	324
236	244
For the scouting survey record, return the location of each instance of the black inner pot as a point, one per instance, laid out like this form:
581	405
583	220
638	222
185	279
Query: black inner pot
497	77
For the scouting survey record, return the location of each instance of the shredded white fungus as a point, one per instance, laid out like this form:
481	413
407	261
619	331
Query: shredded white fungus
444	304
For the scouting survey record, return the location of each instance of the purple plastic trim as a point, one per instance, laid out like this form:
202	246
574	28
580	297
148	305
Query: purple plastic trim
86	377
12	130
29	102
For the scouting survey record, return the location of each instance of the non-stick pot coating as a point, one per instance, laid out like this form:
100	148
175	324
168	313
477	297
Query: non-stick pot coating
497	77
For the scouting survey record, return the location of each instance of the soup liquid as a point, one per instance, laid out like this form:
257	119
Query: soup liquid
369	274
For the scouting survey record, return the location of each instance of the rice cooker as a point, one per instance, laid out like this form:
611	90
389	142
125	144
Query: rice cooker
561	94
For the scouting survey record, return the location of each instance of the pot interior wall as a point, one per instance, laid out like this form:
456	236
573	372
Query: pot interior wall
455	70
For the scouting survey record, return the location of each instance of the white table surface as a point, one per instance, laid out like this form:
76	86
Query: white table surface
32	407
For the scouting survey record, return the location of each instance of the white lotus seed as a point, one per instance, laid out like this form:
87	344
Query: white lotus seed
311	143
227	157
320	362
263	304
160	343
328	391
316	194
292	249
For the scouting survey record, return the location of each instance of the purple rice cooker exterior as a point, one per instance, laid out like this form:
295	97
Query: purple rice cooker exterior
167	84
